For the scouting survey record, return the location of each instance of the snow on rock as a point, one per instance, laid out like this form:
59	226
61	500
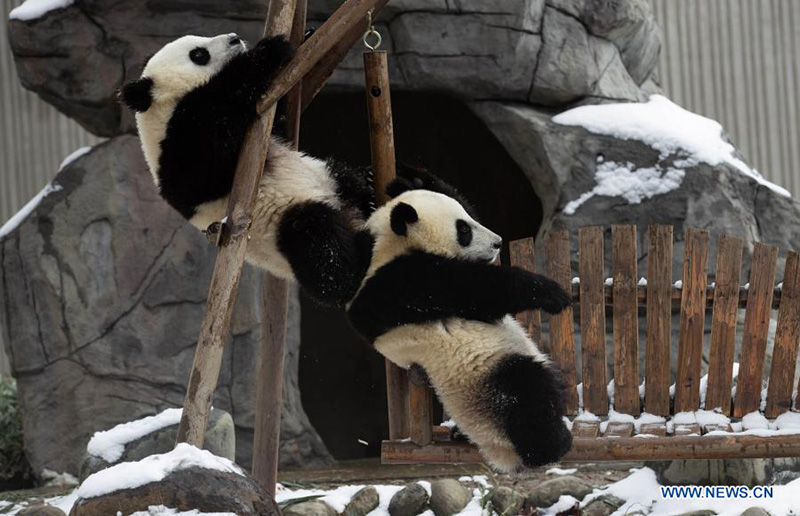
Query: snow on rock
109	445
26	210
32	9
74	156
128	475
631	183
710	417
666	127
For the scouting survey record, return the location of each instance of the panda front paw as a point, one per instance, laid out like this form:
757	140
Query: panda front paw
272	52
553	298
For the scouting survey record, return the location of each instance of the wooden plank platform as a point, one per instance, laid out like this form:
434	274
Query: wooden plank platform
618	448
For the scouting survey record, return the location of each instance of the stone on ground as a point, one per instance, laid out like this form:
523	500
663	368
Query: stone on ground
507	501
602	506
548	492
755	511
364	501
448	496
194	488
309	508
41	510
409	501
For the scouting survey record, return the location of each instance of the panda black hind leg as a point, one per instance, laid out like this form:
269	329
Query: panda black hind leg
320	246
527	401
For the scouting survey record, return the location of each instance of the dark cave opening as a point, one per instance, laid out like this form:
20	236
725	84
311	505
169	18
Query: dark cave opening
342	380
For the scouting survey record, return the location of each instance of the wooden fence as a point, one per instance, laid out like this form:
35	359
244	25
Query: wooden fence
624	295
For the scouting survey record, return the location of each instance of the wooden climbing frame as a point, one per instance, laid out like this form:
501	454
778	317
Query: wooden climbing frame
625	298
304	75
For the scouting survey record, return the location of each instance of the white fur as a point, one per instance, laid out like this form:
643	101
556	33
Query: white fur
174	75
434	232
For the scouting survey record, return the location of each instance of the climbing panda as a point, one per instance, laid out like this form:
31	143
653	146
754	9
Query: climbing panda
431	298
194	102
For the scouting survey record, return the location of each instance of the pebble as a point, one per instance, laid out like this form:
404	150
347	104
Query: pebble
409	501
448	497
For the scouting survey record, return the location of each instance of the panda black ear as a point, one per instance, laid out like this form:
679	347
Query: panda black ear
138	94
402	215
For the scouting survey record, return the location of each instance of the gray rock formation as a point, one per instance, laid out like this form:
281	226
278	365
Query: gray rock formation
102	293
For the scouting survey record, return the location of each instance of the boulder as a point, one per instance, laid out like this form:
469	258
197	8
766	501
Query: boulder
409	501
102	294
547	52
755	511
41	510
194	488
220	439
448	496
548	492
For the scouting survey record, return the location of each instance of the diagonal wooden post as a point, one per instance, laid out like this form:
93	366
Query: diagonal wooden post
228	267
275	308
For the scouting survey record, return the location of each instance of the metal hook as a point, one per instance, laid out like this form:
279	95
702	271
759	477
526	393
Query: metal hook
371	32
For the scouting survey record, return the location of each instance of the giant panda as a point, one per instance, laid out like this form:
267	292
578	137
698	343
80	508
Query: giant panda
431	298
194	102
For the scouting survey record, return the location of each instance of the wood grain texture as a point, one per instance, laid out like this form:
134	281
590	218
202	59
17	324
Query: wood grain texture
756	329
523	255
329	40
626	320
228	266
692	321
562	329
585	429
275	310
593	321
616	449
787	337
659	319
723	323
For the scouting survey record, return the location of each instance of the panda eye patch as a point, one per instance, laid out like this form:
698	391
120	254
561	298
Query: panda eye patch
464	231
200	56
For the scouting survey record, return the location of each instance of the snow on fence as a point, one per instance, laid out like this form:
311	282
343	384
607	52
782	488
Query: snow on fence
696	407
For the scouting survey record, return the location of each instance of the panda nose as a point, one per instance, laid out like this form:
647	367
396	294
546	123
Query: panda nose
235	40
498	244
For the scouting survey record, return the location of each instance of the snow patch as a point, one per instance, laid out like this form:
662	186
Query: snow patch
129	475
160	510
74	156
109	445
32	9
559	471
755	421
666	127
26	210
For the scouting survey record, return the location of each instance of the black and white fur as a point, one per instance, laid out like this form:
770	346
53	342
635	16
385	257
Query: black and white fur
194	102
432	298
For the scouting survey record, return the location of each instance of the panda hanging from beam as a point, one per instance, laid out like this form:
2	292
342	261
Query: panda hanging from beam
194	102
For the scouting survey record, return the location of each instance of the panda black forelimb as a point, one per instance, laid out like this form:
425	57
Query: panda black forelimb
421	287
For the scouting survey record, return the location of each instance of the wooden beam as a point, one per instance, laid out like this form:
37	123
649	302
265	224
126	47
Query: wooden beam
787	338
274	314
593	321
659	319
228	267
626	320
613	449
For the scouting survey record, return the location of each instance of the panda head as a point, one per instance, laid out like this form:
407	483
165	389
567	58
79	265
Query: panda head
180	67
431	222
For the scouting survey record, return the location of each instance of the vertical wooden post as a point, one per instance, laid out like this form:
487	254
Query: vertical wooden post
593	321
692	323
274	313
228	267
523	255
626	320
787	338
408	404
659	319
